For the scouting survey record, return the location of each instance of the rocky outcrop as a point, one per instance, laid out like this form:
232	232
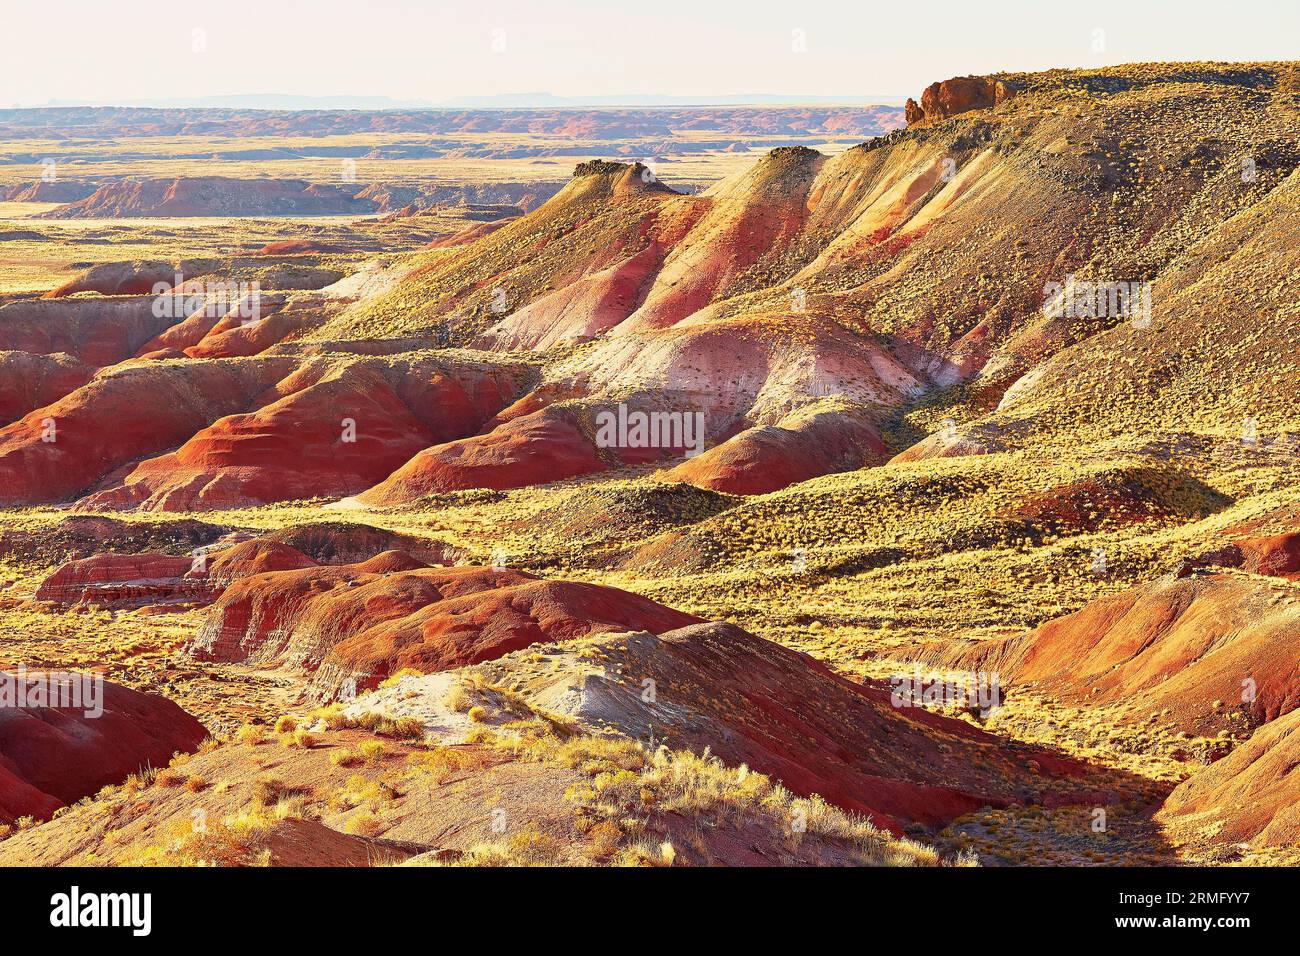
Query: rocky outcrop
126	581
961	94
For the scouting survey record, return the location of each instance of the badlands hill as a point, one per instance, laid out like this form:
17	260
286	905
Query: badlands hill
814	294
1010	391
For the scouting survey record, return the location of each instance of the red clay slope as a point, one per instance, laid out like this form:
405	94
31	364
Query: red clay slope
123	414
119	278
780	712
1183	648
544	446
365	621
759	460
29	381
332	428
151	579
1252	795
581	310
54	756
97	332
1276	555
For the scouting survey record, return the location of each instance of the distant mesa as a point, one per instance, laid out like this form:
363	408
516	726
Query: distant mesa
219	196
212	196
295	247
42	191
610	122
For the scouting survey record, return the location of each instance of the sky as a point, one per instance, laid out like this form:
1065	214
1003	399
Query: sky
99	51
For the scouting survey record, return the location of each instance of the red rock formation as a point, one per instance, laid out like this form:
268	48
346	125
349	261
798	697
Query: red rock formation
738	222
152	579
97	332
1201	651
18	798
255	556
368	620
126	581
581	310
122	415
50	756
1250	796
61	190
337	430
205	318
961	94
760	460
533	449
229	338
1275	555
30	381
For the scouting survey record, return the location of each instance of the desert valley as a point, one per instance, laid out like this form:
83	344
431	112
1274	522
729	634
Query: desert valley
681	486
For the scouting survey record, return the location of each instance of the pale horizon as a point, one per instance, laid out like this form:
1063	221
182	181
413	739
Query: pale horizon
430	53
